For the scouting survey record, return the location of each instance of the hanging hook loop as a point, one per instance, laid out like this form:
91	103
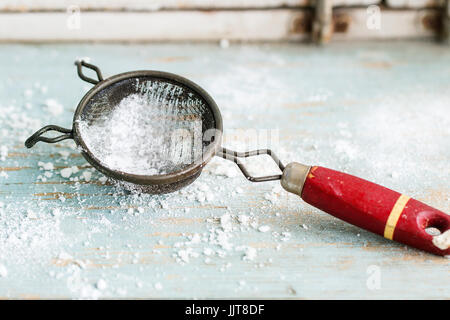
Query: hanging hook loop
82	63
36	137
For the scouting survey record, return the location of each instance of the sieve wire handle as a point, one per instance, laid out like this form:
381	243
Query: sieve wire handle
234	156
36	137
369	206
80	64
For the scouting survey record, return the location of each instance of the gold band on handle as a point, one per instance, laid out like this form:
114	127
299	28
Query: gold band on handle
392	220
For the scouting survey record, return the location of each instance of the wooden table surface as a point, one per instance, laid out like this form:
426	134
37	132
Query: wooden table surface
377	110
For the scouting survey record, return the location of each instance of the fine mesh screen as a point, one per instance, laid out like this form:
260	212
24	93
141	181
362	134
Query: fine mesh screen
146	126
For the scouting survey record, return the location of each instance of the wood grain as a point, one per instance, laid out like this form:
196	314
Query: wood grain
387	125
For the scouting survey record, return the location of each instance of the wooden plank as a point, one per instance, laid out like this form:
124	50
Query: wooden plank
253	25
374	109
415	3
155	26
323	21
62	5
394	24
446	23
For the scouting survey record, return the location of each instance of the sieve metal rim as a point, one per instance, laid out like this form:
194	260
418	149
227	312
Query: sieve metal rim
190	170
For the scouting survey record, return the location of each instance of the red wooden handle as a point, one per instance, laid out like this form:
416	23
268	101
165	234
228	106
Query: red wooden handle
369	206
375	208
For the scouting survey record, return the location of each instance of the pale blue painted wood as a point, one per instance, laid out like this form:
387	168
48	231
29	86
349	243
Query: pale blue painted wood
377	110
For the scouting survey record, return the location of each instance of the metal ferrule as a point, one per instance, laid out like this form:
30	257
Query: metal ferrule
294	177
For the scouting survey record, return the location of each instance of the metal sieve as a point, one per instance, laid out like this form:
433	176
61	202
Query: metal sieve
107	93
362	203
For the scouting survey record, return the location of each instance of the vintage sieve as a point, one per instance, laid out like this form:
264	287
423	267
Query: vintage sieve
362	203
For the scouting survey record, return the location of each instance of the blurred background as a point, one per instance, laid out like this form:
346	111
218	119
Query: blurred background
214	20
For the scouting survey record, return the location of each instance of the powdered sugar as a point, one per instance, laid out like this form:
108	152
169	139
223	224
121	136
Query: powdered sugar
151	132
3	271
54	107
442	241
3	152
66	172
